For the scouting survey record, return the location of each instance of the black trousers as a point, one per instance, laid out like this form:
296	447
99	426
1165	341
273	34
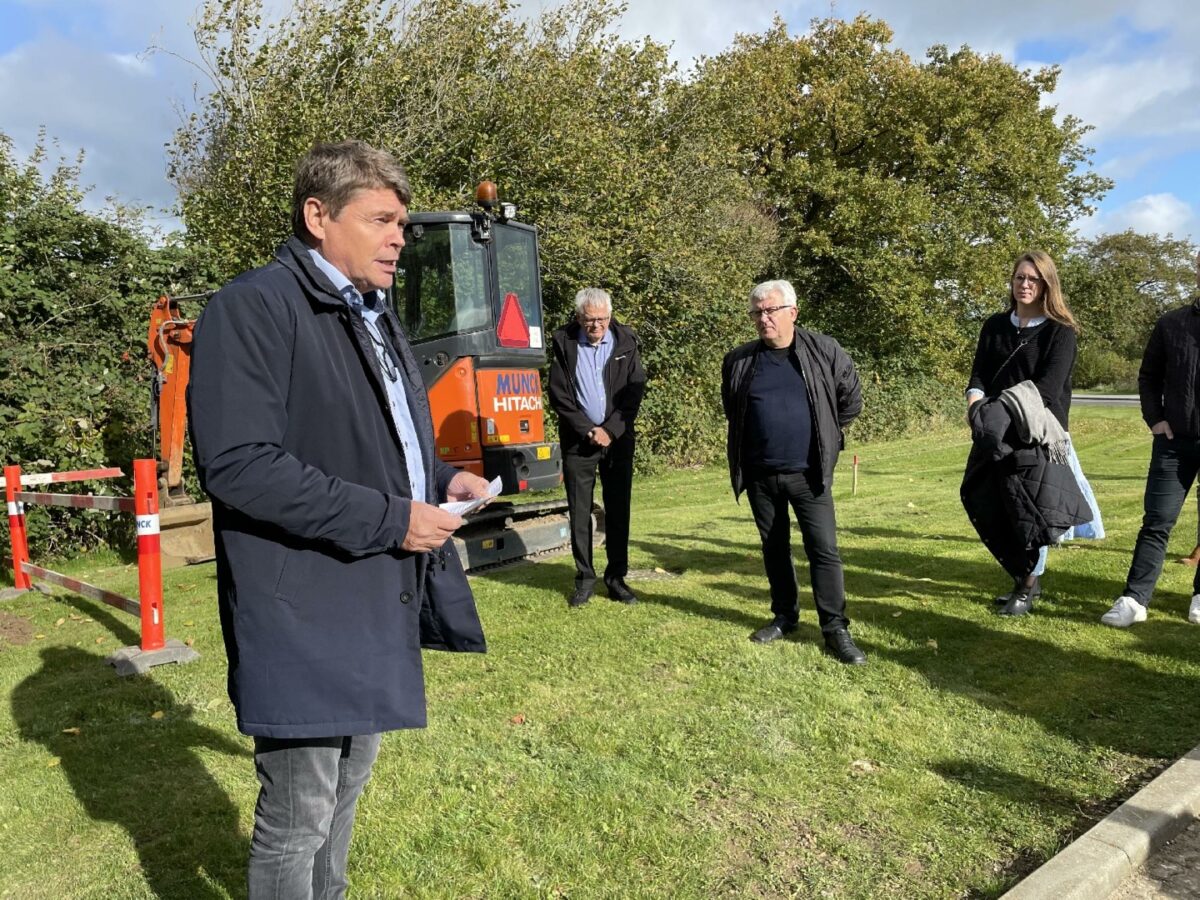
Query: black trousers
1173	467
770	497
614	464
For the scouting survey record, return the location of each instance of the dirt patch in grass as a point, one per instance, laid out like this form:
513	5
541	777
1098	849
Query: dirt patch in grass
15	630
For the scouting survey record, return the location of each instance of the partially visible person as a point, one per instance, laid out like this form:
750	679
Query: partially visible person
1032	343
596	388
312	434
787	396
1169	388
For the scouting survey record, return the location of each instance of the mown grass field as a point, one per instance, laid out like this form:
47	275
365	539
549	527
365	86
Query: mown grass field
652	751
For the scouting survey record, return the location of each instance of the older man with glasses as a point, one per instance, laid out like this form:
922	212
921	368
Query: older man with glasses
596	387
787	397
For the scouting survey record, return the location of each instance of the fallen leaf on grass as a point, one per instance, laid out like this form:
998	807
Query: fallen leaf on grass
101	639
59	622
897	614
38	637
72	730
54	762
911	505
189	642
157	714
518	719
861	767
660	570
930	580
188	624
931	644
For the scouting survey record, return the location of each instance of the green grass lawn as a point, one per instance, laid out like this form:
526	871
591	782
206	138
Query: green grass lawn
653	751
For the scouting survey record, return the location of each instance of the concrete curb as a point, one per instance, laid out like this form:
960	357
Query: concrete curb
1098	862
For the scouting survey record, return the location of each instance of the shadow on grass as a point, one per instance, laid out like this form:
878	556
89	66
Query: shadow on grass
129	766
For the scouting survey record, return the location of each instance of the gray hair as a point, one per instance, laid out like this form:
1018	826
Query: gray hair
593	297
787	293
334	173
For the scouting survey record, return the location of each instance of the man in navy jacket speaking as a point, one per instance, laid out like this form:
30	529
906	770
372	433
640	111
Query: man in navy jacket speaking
312	434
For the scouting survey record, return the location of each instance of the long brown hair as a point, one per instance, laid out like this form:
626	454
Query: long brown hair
1053	303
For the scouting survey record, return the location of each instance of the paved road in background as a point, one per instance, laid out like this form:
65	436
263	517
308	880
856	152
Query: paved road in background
1105	399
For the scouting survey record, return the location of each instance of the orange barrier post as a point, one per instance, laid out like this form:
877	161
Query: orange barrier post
145	510
16	528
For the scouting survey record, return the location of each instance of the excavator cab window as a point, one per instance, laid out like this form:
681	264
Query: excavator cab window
441	282
517	271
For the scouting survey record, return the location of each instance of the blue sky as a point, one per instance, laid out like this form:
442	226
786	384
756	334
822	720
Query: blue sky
80	69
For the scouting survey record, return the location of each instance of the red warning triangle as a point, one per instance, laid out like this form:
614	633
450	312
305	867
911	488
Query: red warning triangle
512	330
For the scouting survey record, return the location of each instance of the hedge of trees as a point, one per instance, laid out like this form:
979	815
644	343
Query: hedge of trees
894	192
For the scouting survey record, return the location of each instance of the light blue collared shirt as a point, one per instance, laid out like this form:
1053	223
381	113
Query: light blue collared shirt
397	399
589	375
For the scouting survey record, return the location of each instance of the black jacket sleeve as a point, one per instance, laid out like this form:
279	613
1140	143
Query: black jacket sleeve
849	389
237	399
1151	377
977	383
628	397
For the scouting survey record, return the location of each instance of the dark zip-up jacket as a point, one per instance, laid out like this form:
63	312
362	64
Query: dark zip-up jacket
624	385
320	608
834	397
1169	379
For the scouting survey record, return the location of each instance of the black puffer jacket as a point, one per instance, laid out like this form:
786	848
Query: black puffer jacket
834	396
1169	379
1017	499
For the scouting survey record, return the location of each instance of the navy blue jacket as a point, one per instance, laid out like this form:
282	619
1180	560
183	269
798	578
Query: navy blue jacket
320	608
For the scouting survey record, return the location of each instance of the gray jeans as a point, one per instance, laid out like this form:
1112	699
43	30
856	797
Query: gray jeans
304	814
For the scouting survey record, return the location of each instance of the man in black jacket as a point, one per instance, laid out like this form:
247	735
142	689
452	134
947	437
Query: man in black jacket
1169	388
787	397
312	435
596	387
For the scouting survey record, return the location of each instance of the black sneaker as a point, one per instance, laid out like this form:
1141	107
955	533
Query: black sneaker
619	591
840	646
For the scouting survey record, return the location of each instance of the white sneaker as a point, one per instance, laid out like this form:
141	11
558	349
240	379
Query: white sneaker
1194	610
1126	611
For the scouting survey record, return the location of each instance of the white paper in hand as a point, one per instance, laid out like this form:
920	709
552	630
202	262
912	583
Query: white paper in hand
462	507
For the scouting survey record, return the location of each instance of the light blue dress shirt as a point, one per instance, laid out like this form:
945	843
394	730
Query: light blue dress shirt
397	399
589	375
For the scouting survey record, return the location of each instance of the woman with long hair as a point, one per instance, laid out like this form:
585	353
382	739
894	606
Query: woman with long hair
1033	341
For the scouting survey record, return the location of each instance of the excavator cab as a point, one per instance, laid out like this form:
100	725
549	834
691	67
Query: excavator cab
469	295
468	290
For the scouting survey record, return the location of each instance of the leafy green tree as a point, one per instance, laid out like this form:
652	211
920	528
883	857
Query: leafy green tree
75	293
626	176
1119	284
902	190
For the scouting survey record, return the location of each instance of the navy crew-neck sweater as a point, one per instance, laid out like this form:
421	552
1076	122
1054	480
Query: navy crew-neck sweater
778	427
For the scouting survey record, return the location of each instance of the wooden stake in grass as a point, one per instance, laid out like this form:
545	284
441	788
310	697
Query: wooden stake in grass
854	478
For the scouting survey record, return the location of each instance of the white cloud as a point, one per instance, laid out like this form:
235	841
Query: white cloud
1150	214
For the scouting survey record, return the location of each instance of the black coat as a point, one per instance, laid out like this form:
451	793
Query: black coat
834	397
624	385
1017	499
1169	379
294	442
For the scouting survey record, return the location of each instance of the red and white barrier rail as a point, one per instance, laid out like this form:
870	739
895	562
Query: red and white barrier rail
62	477
144	506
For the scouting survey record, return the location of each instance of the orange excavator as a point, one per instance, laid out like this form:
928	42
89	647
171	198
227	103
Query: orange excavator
468	290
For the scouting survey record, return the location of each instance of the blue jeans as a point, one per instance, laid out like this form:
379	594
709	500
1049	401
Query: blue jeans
1173	467
304	814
